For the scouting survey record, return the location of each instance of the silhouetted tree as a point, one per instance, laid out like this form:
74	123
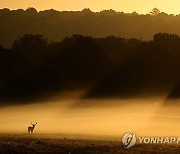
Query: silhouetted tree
135	13
108	12
86	11
155	12
31	11
30	42
5	11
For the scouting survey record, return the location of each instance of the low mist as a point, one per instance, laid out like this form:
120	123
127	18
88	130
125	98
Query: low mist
93	116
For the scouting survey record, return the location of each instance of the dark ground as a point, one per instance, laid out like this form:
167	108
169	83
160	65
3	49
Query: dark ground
75	144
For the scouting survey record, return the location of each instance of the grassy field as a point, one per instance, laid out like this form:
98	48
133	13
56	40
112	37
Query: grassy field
74	144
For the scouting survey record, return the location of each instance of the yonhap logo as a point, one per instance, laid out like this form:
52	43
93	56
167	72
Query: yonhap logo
129	140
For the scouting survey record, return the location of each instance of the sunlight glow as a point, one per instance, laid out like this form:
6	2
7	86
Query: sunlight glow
140	6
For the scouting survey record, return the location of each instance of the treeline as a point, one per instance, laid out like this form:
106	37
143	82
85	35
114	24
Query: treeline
113	66
57	25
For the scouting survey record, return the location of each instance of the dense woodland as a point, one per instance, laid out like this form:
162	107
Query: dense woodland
114	67
56	25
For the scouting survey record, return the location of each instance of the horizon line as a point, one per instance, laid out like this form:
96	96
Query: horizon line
38	10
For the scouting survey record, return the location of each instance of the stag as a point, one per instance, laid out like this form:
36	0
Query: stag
31	128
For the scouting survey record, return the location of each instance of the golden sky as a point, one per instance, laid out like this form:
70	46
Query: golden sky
140	6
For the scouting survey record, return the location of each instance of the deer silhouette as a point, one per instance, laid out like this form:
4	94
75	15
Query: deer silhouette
31	128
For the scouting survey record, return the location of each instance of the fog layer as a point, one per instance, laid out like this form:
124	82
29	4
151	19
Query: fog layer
96	116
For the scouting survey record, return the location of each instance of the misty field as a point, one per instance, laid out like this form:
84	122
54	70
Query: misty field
71	144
